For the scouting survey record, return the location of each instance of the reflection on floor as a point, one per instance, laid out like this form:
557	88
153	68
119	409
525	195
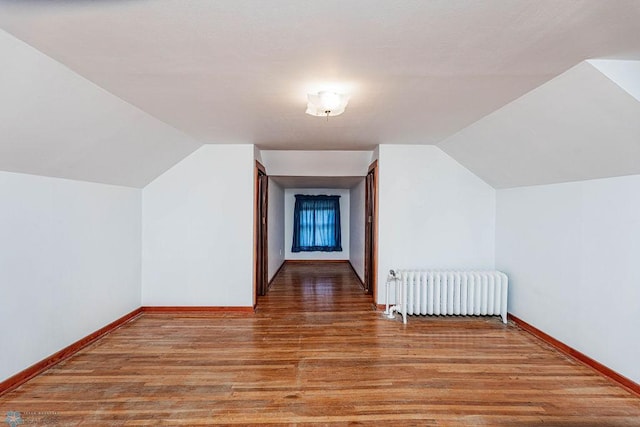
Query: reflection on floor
316	351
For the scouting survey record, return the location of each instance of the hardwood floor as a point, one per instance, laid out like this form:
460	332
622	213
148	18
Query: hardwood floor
315	351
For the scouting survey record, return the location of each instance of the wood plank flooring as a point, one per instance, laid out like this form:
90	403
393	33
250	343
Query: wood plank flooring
317	352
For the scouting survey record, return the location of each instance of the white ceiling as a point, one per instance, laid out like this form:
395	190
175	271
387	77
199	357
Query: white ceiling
625	74
317	181
56	123
316	163
580	125
237	71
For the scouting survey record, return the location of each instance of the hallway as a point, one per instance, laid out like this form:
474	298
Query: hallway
316	287
315	351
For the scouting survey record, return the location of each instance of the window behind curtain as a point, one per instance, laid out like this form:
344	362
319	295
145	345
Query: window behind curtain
316	224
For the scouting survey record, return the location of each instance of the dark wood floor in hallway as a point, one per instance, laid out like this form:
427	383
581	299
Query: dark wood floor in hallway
316	351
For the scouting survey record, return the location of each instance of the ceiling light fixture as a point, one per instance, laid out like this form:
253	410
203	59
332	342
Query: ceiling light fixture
326	103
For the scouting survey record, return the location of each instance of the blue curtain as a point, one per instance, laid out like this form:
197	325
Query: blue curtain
316	224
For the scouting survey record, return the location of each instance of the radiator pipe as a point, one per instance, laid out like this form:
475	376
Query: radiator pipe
401	298
389	310
393	309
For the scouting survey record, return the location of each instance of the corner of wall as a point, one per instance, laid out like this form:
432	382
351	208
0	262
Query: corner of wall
427	196
186	232
257	154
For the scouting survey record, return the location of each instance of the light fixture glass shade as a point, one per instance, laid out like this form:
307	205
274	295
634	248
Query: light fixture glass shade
326	104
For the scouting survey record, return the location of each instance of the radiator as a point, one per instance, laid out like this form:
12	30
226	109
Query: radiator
464	293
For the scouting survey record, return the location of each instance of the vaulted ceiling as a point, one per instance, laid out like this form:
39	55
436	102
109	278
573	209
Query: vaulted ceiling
96	90
580	125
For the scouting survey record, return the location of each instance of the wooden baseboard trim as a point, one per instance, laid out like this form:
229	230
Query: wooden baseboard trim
381	307
303	261
276	275
356	273
25	375
192	309
575	354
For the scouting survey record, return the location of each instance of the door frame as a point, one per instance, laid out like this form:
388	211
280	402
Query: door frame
259	170
371	235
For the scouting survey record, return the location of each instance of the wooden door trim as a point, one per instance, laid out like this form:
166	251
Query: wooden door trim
373	169
257	171
374	282
265	250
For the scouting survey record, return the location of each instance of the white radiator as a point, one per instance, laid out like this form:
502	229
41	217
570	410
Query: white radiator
475	293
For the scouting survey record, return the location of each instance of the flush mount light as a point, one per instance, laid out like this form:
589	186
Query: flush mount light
326	104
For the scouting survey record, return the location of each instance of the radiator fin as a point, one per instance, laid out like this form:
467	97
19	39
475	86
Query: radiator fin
429	292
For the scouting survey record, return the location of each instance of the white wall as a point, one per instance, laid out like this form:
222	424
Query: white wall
275	228
198	230
69	263
289	204
316	163
433	213
257	155
57	123
572	253
375	155
357	228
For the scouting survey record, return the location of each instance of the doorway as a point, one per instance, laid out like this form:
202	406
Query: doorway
371	230
260	226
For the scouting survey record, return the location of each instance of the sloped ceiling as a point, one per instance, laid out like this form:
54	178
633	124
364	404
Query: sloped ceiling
56	123
238	71
625	74
580	125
